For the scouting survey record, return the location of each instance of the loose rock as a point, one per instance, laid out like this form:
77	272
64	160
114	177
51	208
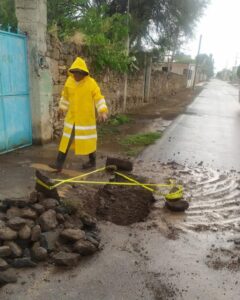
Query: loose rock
72	234
50	203
3	264
7	234
5	251
48	220
60	218
28	213
2	216
35	233
25	232
88	220
8	276
33	198
2	224
24	262
49	239
84	247
68	225
39	253
30	223
16	223
39	208
14	212
66	259
15	249
92	240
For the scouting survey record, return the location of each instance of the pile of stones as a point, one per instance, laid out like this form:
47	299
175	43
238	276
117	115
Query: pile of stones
40	229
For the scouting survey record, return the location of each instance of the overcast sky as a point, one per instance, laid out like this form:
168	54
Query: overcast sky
220	28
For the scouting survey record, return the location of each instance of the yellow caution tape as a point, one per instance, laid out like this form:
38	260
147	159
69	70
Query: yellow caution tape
132	182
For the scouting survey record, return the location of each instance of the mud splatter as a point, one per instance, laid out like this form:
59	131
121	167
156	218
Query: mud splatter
223	258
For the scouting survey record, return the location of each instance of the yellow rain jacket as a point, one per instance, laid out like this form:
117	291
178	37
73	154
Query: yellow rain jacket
80	100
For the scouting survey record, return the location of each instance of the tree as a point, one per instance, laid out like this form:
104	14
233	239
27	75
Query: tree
160	23
106	39
65	15
183	58
153	23
7	14
206	64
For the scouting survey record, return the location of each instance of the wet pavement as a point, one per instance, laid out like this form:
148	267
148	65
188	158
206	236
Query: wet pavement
185	256
207	133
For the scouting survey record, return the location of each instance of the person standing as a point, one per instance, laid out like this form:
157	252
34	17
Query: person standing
81	98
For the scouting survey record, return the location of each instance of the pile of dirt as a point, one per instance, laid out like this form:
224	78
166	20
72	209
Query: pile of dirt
123	205
37	228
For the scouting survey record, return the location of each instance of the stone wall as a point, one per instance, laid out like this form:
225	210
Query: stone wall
165	84
61	55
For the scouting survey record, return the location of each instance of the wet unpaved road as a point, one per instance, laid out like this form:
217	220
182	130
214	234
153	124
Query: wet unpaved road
207	132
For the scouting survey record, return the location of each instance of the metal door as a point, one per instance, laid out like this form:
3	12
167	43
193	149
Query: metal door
15	112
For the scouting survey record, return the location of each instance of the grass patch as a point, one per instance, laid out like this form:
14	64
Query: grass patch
141	139
134	144
119	120
111	126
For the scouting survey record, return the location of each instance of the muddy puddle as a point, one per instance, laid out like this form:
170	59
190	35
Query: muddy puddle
214	197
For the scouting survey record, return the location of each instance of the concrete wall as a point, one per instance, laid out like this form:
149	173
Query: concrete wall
178	68
32	19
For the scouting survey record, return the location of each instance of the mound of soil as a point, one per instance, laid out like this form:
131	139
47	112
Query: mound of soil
123	205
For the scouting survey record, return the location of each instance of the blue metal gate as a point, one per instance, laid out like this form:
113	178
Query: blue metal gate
15	112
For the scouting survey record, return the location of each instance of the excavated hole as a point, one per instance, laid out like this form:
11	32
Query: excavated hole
123	205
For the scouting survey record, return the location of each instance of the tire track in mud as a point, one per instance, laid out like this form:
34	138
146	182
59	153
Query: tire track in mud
214	196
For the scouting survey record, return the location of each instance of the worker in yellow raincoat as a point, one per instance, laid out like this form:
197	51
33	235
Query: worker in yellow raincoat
81	98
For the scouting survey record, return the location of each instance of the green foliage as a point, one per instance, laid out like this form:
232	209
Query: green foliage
7	14
105	34
141	139
111	127
119	120
65	14
164	23
183	58
206	64
158	24
106	39
134	144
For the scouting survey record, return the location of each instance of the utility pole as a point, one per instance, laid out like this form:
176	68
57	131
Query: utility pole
197	62
127	53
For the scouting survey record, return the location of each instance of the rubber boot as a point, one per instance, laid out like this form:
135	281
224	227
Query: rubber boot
58	165
91	163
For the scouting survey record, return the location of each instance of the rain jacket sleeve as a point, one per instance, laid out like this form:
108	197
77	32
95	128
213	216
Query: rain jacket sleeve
98	98
64	100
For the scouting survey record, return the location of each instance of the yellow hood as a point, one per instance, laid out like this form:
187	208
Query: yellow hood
79	64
